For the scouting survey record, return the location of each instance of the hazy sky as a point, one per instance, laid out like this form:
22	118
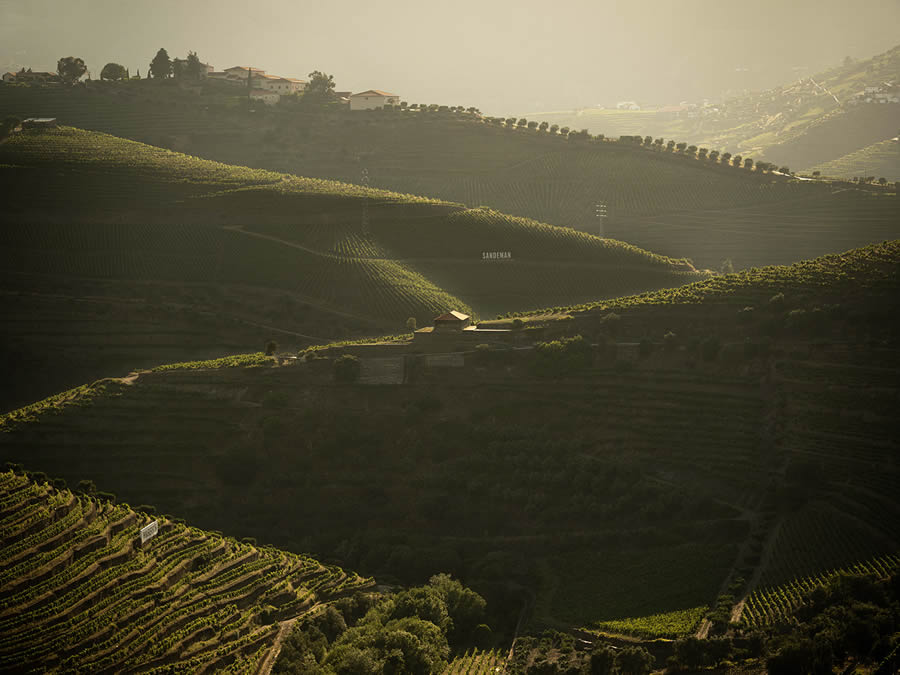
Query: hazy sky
501	56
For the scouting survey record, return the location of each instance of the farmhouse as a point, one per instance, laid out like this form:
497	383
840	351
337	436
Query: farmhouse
372	99
452	321
32	76
8	77
453	331
280	85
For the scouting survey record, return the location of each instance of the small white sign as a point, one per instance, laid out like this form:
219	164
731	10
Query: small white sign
149	531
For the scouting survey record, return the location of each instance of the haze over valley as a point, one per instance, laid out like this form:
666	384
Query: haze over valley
418	338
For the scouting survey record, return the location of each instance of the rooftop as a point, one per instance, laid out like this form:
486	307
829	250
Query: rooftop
373	92
452	316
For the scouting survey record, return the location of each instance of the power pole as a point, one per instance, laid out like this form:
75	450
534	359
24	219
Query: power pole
600	214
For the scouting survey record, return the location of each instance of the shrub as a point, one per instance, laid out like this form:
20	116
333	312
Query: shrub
562	357
346	369
271	347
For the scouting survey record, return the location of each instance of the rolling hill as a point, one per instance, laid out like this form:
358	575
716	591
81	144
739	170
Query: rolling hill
800	124
476	161
213	257
718	442
876	160
81	592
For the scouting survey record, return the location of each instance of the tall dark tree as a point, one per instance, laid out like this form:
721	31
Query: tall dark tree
193	67
70	69
113	71
179	67
161	65
320	88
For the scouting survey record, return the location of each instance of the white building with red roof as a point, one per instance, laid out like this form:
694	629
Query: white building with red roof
373	99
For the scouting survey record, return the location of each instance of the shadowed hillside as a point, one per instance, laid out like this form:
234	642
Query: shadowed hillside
476	161
219	258
700	445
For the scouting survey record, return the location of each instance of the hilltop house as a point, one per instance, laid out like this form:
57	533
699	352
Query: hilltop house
32	76
281	85
372	100
453	331
266	88
452	321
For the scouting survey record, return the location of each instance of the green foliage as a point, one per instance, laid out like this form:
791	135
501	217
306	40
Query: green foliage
193	598
667	625
634	661
406	632
237	361
79	396
113	71
161	65
70	69
566	356
346	369
320	88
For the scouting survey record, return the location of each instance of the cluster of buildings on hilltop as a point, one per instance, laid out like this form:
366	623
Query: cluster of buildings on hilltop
263	87
886	92
270	88
29	76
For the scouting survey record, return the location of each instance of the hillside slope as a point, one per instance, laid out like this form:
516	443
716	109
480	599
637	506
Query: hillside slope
879	160
616	483
799	124
477	161
80	592
211	258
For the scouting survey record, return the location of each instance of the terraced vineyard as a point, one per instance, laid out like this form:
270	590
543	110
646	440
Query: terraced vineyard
477	662
880	160
153	215
834	278
810	225
770	605
669	625
729	213
79	591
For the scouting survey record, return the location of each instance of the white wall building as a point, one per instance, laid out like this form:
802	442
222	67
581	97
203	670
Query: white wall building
372	99
280	85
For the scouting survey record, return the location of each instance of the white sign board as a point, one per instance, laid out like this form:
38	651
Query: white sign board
149	531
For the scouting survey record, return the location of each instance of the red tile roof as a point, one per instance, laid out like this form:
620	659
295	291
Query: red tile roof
374	92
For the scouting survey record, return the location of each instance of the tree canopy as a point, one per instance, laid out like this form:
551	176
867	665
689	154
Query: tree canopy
161	65
71	68
320	88
113	71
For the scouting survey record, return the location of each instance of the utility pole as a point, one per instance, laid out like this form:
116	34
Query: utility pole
600	214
